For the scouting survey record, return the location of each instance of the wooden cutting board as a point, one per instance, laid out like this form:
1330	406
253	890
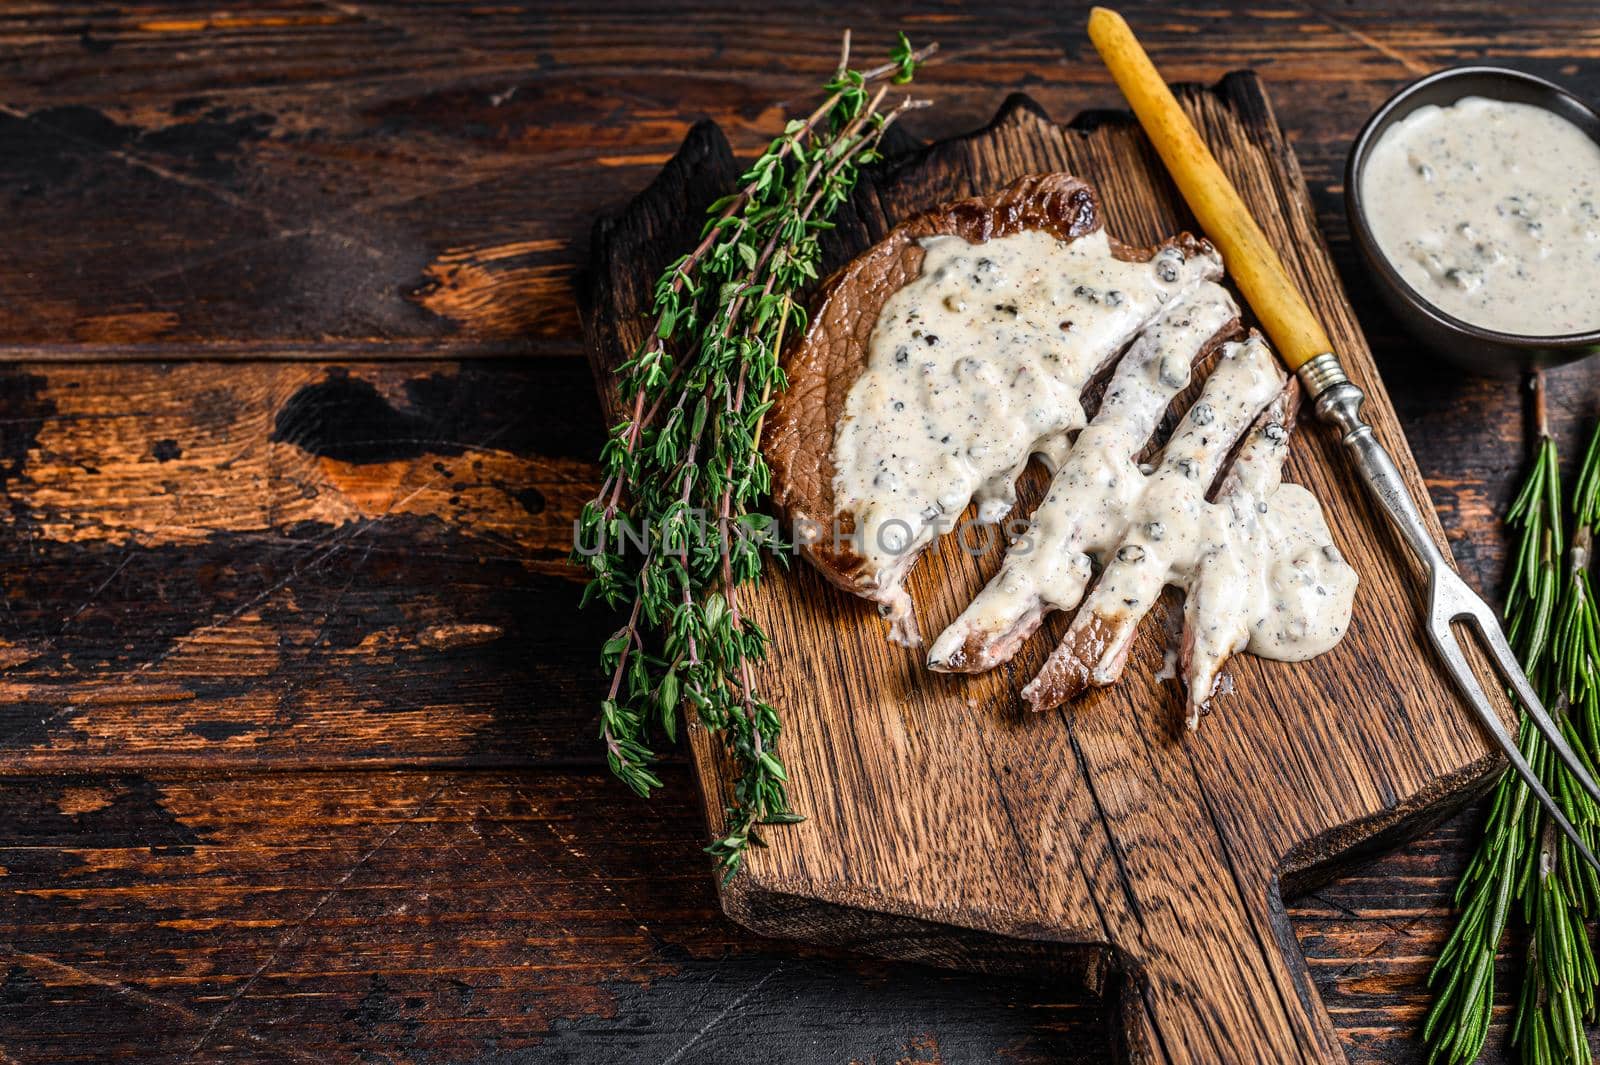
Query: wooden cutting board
1100	842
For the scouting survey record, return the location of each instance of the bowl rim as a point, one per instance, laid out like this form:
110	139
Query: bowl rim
1355	206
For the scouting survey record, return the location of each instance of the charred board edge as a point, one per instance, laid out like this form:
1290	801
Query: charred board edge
634	246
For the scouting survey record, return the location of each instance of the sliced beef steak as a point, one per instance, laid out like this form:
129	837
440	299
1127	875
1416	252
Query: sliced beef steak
1067	330
1095	492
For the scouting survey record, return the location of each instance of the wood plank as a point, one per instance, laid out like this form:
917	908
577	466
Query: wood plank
1163	852
420	172
308	563
419	916
388	913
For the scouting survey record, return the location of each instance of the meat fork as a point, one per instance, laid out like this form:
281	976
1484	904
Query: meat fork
1304	345
1338	402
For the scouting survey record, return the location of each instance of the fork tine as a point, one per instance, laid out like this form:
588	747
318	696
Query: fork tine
1542	720
1449	648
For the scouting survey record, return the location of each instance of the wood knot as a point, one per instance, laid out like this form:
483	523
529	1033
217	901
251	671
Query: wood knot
451	637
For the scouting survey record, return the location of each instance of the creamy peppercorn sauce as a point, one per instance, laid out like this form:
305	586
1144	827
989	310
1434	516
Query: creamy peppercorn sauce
974	366
1258	566
1094	493
1491	212
981	361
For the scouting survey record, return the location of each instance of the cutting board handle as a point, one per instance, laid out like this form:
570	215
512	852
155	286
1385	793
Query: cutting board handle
1234	988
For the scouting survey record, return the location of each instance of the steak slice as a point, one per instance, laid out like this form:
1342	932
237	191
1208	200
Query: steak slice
1096	645
1276	535
1213	630
835	351
1088	507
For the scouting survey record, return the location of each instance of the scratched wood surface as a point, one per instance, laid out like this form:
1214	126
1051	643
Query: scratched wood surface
295	755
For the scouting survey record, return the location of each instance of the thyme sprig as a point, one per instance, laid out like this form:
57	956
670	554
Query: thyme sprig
675	529
1523	859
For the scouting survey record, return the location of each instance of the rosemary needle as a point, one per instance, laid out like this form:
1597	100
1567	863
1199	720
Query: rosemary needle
1522	864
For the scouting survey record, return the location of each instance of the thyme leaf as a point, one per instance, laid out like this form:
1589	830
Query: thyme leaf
675	533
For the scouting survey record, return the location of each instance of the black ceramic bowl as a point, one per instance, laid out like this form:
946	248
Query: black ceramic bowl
1472	347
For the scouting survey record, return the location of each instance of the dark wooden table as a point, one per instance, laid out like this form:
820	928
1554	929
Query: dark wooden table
298	707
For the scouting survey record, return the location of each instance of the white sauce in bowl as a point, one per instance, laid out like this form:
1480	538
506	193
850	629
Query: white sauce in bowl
1491	212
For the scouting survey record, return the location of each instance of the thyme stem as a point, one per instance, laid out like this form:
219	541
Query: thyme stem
696	392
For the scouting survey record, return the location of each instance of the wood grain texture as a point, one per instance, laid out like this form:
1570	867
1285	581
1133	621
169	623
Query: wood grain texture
1130	850
292	181
305	564
419	178
271	935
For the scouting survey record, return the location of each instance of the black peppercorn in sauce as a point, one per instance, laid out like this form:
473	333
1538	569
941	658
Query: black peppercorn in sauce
1095	494
1491	212
974	366
1258	565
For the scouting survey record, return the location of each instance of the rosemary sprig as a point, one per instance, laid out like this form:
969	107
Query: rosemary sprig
1560	977
1463	976
675	529
1553	625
